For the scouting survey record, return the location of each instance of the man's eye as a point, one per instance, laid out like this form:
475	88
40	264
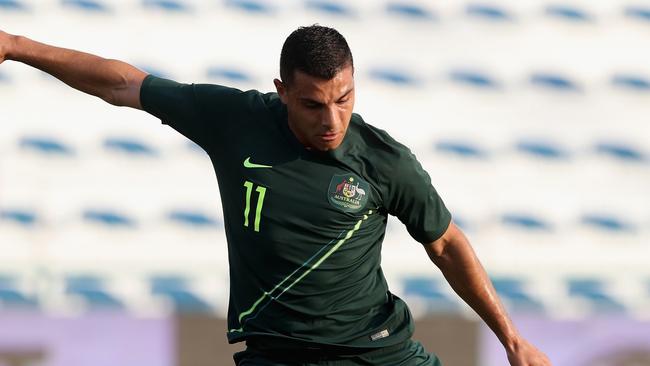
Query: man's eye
342	101
313	106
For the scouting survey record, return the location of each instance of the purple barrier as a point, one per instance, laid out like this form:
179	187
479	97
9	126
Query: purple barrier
97	339
611	341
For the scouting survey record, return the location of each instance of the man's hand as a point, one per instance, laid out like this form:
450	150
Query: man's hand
525	354
6	43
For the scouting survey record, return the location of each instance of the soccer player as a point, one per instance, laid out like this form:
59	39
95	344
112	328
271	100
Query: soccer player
307	187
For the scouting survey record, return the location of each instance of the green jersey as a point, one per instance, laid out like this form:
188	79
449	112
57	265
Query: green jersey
304	228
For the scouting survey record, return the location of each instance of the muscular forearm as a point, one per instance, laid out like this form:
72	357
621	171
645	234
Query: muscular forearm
465	274
113	81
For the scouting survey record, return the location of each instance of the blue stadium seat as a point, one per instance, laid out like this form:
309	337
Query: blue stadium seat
228	74
632	82
410	11
620	151
250	6
638	13
20	217
129	146
91	290
593	290
525	221
194	219
167	5
176	290
460	148
542	149
44	145
393	76
11	297
490	12
12	5
329	7
428	289
474	78
554	82
87	5
606	222
108	218
568	12
512	290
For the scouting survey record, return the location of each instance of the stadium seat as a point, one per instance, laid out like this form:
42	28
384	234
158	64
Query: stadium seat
568	12
474	79
409	11
251	6
428	289
594	291
92	290
620	151
167	5
330	7
461	149
194	219
228	74
542	149
12	5
607	223
87	5
512	290
129	146
45	145
638	13
489	12
21	217
526	222
108	219
176	290
632	82
554	82
12	297
394	77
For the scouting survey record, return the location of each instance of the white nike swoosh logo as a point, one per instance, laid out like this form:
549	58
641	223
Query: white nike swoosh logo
248	164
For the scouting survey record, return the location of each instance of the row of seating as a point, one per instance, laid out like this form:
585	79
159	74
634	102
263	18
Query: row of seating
518	295
537	148
403	9
197	219
433	293
474	79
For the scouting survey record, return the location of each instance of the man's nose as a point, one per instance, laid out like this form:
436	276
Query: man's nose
329	118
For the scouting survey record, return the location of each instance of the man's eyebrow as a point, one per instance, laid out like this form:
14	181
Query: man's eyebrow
346	93
309	100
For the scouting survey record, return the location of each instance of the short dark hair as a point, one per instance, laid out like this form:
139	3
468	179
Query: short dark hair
315	50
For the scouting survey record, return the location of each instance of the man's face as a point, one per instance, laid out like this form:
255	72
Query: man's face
319	110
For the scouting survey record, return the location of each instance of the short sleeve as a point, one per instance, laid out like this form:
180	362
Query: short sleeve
414	200
201	112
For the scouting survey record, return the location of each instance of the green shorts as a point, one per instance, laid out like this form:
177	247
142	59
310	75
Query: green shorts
408	353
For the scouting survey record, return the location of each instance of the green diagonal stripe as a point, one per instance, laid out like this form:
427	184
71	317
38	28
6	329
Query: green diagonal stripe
309	270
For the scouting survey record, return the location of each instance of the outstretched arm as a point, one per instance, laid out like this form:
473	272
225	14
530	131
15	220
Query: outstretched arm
453	254
116	82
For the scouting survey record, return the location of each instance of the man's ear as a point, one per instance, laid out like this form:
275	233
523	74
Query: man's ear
281	89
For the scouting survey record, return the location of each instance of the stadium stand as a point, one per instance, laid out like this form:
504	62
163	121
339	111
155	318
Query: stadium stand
538	148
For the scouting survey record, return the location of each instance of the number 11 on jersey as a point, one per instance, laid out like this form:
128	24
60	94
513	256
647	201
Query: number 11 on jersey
261	191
